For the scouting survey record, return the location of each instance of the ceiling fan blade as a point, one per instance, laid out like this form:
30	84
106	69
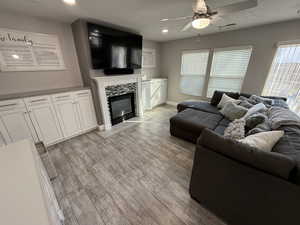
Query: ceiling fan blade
236	7
186	27
200	6
176	19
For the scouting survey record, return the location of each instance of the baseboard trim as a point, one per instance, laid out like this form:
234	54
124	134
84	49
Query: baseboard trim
172	103
101	127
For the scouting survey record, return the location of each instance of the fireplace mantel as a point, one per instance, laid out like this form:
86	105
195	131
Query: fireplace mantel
104	81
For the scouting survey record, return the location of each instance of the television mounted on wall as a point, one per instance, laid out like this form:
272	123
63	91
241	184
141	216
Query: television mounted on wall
114	51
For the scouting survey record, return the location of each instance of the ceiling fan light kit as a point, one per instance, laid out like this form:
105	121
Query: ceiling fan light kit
200	23
204	15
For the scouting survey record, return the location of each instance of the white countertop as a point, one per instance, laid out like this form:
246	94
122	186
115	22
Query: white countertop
21	197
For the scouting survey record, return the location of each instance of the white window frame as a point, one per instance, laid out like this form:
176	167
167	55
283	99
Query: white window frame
229	49
206	50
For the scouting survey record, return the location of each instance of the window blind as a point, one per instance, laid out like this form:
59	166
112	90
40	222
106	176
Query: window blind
284	76
193	71
229	67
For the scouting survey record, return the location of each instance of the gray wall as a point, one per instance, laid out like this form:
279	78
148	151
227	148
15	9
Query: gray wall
262	38
17	82
153	72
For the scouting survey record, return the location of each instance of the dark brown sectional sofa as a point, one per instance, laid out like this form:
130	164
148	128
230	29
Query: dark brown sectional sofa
241	184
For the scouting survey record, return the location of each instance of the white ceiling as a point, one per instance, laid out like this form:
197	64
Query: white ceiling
144	15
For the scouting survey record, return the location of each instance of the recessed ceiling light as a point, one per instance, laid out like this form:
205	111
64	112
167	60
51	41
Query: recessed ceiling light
164	31
15	56
70	2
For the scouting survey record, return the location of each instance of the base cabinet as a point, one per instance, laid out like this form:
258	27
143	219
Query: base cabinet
85	108
67	114
47	119
154	93
44	119
16	123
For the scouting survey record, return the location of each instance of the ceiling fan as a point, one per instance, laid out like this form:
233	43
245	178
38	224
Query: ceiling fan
203	15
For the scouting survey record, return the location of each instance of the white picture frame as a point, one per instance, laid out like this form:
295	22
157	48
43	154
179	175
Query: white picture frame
148	58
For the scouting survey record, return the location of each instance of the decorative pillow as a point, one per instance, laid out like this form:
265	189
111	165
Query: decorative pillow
264	141
218	95
258	99
246	104
255	119
235	130
233	111
225	99
255	109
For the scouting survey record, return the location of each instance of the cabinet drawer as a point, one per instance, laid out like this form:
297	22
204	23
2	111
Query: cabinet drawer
62	97
11	104
83	93
38	100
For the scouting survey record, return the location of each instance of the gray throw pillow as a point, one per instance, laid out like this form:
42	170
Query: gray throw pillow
266	101
255	119
233	111
246	104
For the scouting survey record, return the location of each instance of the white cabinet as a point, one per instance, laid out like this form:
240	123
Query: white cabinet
2	139
146	95
154	93
16	122
44	119
85	108
75	112
47	119
67	113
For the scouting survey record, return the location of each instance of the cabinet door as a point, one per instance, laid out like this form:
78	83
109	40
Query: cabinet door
18	125
146	96
155	93
86	110
67	114
2	134
44	119
164	92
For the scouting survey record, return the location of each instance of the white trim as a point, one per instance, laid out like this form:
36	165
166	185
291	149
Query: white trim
233	48
292	42
103	82
101	127
172	103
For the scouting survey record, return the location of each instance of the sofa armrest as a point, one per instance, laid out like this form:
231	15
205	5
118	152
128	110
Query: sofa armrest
271	162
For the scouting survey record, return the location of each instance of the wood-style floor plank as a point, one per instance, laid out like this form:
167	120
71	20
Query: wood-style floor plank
138	176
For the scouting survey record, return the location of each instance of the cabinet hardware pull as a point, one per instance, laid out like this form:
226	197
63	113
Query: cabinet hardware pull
38	100
64	96
8	105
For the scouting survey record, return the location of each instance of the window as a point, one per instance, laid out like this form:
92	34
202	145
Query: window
284	76
193	72
229	67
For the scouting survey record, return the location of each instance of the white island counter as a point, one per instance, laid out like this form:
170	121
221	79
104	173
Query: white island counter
25	191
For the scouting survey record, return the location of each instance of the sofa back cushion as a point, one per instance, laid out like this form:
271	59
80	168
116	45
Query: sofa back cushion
218	96
271	162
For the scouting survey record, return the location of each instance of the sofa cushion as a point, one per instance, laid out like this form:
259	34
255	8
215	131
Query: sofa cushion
218	96
271	162
198	105
289	145
195	121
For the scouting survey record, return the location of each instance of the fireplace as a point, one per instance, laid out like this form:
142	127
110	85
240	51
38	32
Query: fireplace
122	107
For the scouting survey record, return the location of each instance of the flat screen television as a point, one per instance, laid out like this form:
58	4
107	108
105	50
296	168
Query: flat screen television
114	51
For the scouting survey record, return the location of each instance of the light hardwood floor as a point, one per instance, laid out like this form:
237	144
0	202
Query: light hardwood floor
139	176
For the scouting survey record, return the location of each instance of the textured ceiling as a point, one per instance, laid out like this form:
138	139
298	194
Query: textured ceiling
144	15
